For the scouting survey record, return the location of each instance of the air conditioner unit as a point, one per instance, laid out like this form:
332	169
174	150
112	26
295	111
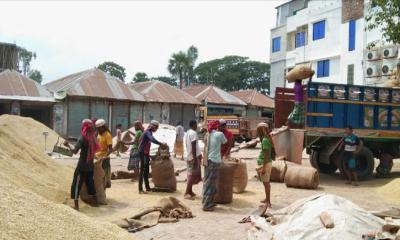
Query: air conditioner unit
389	65
390	52
372	69
373	81
372	55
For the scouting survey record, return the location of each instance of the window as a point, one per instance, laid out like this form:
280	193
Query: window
276	44
352	35
319	30
300	39
350	74
323	68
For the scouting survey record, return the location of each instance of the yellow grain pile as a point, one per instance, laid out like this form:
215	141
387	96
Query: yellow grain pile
33	186
391	191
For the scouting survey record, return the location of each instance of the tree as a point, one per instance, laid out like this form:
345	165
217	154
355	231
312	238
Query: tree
113	69
233	73
25	57
171	81
181	65
140	77
384	15
36	76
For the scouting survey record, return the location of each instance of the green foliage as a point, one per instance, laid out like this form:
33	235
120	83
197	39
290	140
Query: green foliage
181	65
140	77
169	80
113	69
35	75
25	58
233	73
385	15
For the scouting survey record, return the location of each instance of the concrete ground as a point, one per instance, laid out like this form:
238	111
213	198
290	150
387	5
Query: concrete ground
124	200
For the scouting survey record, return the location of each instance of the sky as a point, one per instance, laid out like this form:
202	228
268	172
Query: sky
70	37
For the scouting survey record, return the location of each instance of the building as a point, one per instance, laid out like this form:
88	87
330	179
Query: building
217	101
166	103
93	94
22	96
258	105
329	35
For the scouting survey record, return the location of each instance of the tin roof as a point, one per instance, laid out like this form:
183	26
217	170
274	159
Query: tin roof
212	94
94	83
14	85
157	91
254	98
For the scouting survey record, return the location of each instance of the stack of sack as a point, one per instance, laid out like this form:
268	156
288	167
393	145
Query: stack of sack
163	173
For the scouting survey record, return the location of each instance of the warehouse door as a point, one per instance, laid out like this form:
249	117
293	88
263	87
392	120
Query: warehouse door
77	111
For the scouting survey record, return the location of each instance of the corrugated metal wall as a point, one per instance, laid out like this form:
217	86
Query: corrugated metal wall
188	114
77	111
152	111
175	113
120	114
136	112
252	112
99	109
165	113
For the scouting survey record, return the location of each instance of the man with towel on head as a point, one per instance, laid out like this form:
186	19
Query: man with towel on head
226	148
104	139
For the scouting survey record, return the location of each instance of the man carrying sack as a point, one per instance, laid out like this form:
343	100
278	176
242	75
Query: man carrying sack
104	139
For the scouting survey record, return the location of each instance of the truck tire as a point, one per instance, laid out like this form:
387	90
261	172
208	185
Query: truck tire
365	164
321	167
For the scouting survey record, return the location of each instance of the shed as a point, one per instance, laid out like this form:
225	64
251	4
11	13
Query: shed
258	104
94	94
20	95
166	103
217	101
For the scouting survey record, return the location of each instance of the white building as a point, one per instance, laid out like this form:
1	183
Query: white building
330	35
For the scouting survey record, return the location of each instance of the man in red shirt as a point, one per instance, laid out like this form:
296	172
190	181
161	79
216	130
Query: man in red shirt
226	148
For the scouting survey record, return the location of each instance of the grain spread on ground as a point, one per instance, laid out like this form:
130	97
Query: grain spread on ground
391	191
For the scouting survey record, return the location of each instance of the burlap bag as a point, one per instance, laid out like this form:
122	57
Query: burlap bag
163	173
240	177
99	184
302	177
278	171
301	71
225	183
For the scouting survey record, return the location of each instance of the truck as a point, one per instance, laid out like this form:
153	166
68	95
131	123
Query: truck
243	128
373	112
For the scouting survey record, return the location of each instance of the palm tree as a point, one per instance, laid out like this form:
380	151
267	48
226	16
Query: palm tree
192	54
182	64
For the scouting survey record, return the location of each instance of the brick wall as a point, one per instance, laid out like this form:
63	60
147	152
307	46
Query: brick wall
352	9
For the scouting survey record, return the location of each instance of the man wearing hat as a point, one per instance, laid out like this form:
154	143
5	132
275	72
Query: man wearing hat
144	153
226	148
104	140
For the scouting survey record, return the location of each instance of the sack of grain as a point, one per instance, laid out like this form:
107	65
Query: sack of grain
278	171
98	183
225	183
163	173
301	71
302	177
120	146
240	177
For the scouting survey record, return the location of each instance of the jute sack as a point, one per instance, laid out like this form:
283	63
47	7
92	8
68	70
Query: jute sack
240	177
278	171
162	171
98	183
302	177
225	183
301	71
125	137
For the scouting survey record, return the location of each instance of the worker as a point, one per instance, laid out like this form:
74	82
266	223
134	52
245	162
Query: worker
212	160
352	145
226	148
193	160
296	118
264	162
144	154
178	146
119	139
104	139
134	158
87	145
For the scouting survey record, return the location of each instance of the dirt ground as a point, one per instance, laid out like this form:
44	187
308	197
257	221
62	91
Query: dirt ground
124	200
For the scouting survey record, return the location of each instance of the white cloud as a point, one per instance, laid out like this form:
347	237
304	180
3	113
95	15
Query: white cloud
141	36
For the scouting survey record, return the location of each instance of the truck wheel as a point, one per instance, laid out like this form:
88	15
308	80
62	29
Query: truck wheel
321	167
364	164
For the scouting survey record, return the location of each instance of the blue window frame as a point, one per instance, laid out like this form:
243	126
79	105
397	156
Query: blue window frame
319	30
300	39
323	68
352	35
276	44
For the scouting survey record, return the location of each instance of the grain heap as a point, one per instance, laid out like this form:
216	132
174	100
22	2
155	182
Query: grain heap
32	187
391	191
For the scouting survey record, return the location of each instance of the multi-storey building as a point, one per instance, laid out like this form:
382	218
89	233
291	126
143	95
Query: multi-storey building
329	35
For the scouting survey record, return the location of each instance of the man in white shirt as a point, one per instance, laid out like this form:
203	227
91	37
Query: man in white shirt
193	160
178	147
